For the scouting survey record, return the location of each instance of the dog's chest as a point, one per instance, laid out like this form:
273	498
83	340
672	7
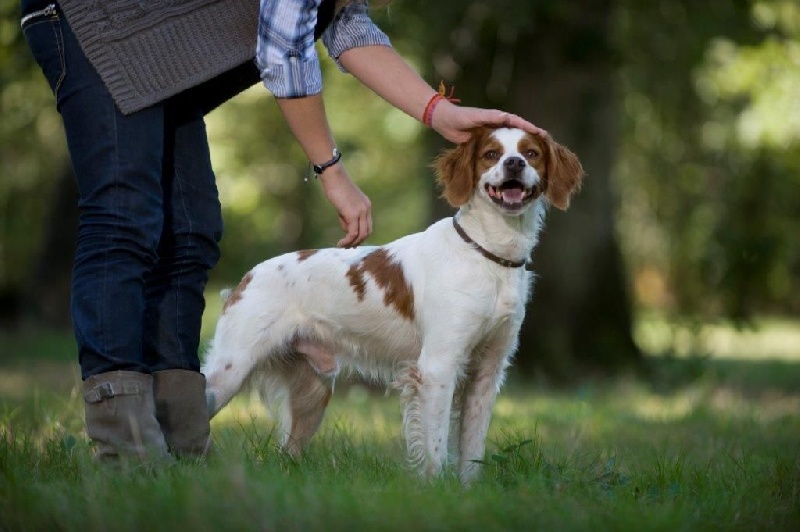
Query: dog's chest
510	296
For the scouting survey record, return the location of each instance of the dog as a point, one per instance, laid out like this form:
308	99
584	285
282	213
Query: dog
435	314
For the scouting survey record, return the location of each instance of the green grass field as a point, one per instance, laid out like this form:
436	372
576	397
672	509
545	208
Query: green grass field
710	443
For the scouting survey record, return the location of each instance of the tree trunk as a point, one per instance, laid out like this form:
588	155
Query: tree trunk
558	71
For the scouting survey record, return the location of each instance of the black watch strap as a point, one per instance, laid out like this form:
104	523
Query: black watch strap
319	168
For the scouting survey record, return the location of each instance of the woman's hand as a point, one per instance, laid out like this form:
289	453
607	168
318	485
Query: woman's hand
353	206
454	123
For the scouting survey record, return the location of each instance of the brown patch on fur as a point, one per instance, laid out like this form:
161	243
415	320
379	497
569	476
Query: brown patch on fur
564	174
228	366
236	295
305	254
388	275
538	147
356	277
459	169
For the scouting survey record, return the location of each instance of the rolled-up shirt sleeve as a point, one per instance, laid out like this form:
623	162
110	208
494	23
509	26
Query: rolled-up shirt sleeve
285	52
352	28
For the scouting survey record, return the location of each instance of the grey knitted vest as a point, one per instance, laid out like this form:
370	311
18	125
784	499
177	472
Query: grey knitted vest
148	51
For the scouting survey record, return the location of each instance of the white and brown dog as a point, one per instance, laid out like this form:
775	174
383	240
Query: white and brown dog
436	313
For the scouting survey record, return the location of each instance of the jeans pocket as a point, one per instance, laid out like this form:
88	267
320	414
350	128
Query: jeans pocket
42	31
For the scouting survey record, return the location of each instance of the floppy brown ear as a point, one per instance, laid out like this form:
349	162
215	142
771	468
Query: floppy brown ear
455	170
564	174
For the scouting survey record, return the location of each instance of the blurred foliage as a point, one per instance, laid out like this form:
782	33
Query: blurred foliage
708	169
32	150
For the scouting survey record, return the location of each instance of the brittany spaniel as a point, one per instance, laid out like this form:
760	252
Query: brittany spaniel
436	313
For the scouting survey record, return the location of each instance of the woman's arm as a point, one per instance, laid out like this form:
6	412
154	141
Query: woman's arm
387	74
308	123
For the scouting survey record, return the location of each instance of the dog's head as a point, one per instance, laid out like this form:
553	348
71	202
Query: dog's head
510	169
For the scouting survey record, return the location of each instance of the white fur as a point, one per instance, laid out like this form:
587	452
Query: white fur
299	321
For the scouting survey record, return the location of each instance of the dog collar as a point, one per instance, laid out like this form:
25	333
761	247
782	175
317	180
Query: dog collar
488	254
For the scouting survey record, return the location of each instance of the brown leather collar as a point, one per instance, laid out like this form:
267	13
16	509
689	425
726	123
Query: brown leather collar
488	254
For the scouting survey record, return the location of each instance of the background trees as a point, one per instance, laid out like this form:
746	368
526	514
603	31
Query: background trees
685	116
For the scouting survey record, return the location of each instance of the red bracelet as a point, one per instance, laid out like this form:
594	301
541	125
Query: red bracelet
427	116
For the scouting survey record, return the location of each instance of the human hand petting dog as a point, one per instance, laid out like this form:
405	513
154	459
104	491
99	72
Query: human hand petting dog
455	123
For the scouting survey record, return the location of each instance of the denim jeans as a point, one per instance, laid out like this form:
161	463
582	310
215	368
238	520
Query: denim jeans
150	218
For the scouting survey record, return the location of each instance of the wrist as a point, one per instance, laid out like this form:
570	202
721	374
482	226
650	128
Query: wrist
320	168
437	100
433	103
333	174
440	118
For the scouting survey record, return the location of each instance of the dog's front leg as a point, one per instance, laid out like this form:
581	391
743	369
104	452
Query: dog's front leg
478	399
437	372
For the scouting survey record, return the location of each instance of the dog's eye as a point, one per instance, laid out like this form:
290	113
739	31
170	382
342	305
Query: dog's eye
531	154
492	155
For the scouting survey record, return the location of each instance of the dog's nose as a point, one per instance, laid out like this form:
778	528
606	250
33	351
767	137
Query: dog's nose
514	164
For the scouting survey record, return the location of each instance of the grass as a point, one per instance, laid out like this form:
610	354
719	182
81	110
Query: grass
711	443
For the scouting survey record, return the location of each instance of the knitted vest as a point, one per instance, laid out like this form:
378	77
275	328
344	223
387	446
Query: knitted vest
146	52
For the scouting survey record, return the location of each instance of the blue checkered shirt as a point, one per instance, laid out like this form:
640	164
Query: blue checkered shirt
285	52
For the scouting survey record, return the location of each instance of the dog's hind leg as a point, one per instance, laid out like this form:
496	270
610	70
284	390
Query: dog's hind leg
304	385
309	396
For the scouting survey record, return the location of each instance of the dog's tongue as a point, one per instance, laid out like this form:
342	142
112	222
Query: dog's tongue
512	195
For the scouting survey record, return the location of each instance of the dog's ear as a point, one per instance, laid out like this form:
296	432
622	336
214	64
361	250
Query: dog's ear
455	170
564	174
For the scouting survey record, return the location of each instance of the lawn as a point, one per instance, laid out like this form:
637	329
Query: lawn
707	443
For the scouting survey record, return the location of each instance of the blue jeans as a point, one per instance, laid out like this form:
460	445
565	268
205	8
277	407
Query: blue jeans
150	217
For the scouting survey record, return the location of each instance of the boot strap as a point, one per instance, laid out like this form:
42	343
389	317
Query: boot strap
103	391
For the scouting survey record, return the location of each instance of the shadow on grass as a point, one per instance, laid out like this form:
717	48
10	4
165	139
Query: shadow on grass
750	376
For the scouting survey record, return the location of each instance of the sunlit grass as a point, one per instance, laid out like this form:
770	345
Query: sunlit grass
708	442
765	338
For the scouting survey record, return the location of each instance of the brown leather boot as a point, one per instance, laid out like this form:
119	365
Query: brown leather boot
180	397
120	417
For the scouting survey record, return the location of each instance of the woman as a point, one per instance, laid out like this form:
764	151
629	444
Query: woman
132	81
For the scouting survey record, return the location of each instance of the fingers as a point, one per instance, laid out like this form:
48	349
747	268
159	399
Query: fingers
455	123
502	118
356	221
358	228
349	240
512	120
353	206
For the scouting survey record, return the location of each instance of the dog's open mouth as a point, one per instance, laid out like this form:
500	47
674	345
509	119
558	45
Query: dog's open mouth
511	194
